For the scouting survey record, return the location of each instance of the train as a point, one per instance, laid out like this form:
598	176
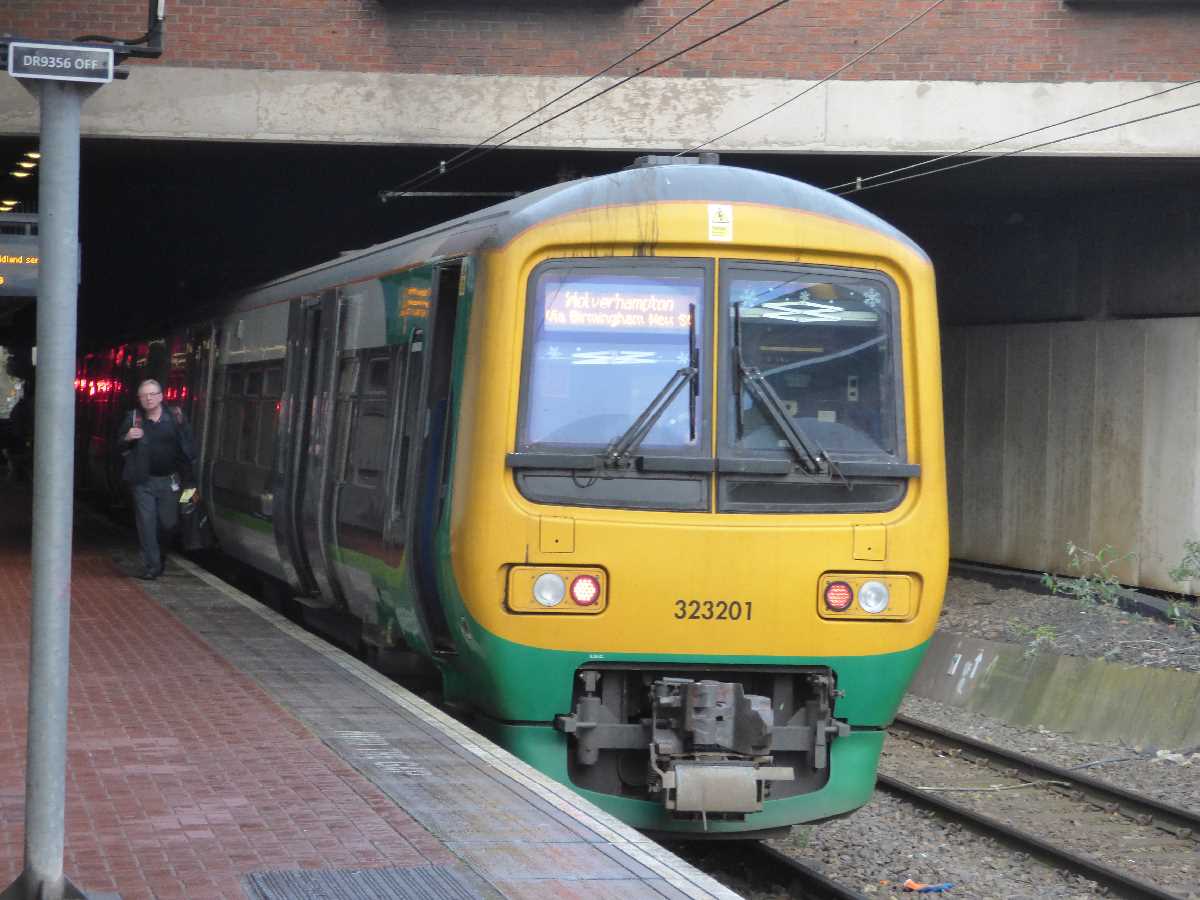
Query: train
648	467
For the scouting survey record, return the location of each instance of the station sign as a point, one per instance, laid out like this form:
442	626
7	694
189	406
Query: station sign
18	266
60	62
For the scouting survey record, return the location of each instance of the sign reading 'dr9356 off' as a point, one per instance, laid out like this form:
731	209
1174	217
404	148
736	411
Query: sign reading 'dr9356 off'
60	62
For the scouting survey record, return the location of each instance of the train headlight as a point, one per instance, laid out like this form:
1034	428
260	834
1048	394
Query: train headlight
874	597
585	590
892	596
549	589
838	596
557	590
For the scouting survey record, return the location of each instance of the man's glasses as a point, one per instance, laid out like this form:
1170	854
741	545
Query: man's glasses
151	394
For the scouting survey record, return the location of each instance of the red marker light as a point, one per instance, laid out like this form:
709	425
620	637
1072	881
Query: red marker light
838	596
585	590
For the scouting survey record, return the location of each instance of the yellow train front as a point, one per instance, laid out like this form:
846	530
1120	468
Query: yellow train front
696	538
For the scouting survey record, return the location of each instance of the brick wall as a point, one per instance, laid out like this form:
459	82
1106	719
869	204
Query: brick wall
973	40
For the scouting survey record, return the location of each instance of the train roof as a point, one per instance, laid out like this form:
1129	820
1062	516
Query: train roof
496	225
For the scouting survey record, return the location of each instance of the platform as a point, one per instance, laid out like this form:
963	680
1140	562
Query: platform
218	750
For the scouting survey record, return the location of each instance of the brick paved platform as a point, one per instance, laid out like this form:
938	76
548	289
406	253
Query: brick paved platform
216	750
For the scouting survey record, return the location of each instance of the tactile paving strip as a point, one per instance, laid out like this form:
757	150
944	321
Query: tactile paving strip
420	883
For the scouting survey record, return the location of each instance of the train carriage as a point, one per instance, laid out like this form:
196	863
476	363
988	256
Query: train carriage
649	466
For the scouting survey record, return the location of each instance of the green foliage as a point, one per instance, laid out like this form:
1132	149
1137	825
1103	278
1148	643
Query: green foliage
1036	638
1095	585
1189	567
1179	610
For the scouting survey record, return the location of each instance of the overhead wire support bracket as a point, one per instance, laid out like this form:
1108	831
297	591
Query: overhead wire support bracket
148	46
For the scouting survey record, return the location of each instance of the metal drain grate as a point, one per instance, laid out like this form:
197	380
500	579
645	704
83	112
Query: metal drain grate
419	883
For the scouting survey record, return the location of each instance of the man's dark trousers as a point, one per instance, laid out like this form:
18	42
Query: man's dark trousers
156	509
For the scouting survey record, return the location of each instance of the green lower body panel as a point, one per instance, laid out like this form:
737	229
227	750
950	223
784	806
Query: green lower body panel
852	763
515	683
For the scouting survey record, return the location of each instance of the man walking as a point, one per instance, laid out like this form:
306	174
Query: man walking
158	459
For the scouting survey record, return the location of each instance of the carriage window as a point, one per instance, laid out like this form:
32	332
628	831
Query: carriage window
254	383
268	427
231	427
268	415
236	380
247	446
367	459
377	376
346	376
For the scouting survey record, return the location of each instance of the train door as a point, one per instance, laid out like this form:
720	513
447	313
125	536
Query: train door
423	442
306	461
204	367
365	420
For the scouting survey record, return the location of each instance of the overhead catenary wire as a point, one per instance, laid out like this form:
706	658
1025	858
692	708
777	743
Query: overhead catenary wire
812	87
441	166
982	159
445	169
1016	137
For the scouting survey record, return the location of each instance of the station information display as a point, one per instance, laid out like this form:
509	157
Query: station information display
18	266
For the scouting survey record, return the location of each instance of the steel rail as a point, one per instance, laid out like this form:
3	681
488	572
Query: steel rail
1120	883
762	866
1182	823
800	878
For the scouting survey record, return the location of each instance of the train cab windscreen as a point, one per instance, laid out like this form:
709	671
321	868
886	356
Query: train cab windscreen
616	404
604	343
616	368
821	349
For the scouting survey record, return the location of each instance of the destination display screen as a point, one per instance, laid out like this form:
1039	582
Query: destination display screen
617	303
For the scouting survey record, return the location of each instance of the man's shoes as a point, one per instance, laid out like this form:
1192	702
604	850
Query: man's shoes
149	574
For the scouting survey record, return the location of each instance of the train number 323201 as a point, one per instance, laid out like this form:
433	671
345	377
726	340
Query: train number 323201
720	610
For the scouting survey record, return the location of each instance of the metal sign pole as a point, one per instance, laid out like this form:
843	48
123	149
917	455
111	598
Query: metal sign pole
61	75
53	479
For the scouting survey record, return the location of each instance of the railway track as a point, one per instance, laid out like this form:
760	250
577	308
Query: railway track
1138	807
756	865
1090	804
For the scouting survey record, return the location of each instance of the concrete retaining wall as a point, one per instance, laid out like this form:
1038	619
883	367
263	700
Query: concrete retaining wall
1080	431
1089	699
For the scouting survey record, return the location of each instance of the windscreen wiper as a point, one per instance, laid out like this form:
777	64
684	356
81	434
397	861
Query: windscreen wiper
620	451
809	454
